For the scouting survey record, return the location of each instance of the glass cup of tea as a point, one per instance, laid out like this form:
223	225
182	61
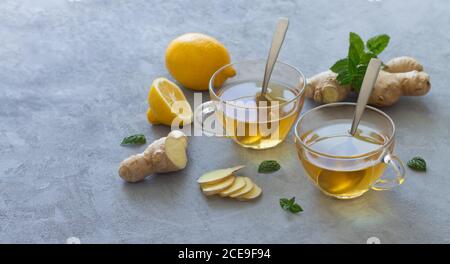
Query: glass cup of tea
237	109
345	166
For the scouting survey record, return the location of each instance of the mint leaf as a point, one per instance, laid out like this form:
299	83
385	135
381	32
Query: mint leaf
268	166
357	42
357	83
295	208
365	58
353	58
358	77
344	77
362	68
417	163
290	205
340	66
378	43
137	139
285	203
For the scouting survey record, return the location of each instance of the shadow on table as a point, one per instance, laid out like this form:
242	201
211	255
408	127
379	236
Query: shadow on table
373	206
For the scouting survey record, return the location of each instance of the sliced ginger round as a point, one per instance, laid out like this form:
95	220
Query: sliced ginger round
247	188
218	175
238	184
252	194
167	103
214	188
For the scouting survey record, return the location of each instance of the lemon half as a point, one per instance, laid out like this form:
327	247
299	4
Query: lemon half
167	104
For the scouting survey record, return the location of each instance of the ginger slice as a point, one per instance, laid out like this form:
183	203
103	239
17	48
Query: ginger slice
218	175
255	192
238	184
214	188
247	188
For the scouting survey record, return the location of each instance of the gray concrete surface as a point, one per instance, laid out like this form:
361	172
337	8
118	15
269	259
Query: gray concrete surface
74	76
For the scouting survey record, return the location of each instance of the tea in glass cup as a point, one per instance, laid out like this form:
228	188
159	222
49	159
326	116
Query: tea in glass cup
345	166
248	120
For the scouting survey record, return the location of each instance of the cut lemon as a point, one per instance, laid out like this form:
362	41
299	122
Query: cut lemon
167	104
151	117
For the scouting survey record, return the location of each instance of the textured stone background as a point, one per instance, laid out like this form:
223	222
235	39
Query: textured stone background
74	76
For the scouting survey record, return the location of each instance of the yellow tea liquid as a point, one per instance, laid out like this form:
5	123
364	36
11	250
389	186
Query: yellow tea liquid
346	172
253	123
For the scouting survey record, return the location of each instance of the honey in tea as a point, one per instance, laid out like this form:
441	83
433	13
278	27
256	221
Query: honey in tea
253	124
344	172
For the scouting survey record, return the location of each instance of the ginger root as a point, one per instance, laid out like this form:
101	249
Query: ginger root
163	155
400	76
403	64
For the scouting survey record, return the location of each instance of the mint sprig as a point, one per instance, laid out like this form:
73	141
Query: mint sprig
290	205
351	70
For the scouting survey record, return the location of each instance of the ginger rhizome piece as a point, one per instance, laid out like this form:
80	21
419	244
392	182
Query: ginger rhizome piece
389	87
163	155
324	88
402	76
403	64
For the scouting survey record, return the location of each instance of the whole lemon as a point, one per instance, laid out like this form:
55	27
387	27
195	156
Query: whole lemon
193	58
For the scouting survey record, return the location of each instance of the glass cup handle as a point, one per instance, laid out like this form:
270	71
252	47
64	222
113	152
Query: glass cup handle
389	182
203	114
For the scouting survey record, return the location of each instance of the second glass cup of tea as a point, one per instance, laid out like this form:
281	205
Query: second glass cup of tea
238	110
345	166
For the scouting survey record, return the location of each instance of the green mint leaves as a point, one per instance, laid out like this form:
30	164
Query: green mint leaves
268	166
378	43
137	139
290	205
351	70
417	163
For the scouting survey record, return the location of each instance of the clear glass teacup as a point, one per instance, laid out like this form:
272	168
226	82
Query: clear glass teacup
237	111
345	166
